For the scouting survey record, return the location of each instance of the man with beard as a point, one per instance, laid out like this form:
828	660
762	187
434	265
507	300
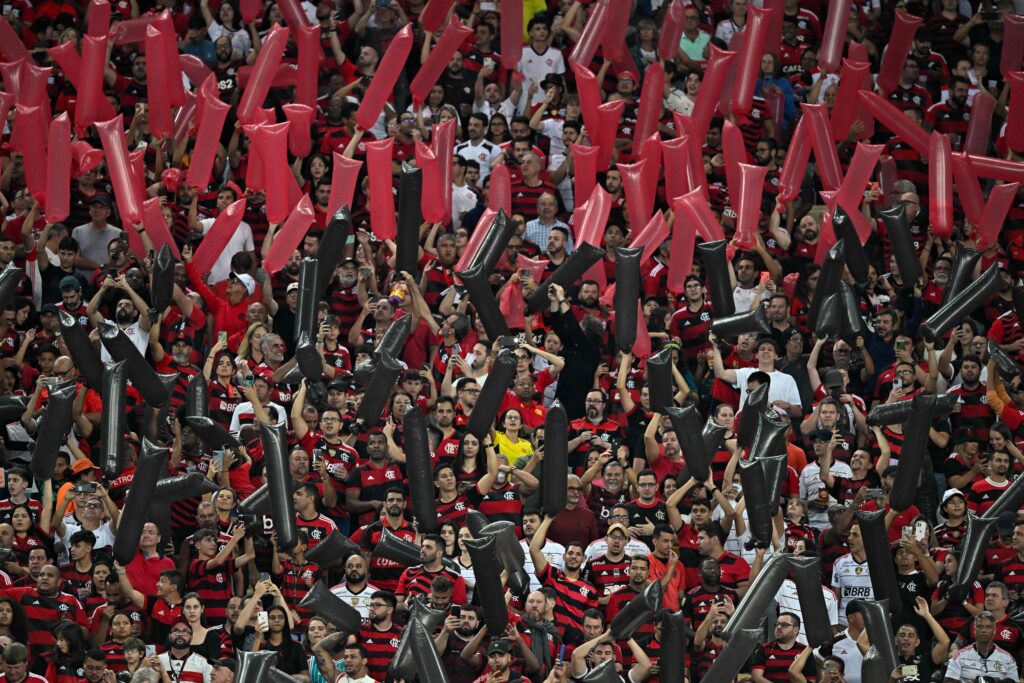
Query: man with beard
595	431
476	147
574	521
936	288
638	570
206	518
458	86
574	595
308	517
225	69
273	348
748	287
555	253
778	317
417	580
439	273
381	635
973	411
709	592
612	491
455	634
241	239
538	230
179	361
665	459
611	571
180	663
952	116
346	294
588	298
131	314
44	605
647	511
553	552
283	279
771	661
95	236
984	492
356	590
385	573
499	665
598	650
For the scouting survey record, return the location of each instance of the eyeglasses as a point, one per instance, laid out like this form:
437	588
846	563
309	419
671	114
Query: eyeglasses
181	630
904	372
573	488
472	391
91	505
785	624
329	419
647	483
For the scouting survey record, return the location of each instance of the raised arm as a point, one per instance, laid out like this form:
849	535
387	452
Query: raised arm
540	562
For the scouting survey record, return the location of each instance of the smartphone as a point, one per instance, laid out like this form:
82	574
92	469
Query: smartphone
765	277
874	493
908	670
921	530
249	380
222	337
456	610
908	531
264	576
901	344
218	459
151	651
525	272
317	454
897	383
561	654
488	63
263	619
85	487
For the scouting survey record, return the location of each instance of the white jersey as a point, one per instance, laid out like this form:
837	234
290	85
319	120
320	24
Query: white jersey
360	600
485	154
790	602
782	388
600	547
852	581
138	336
811	487
552	552
845	648
969	664
241	240
535	66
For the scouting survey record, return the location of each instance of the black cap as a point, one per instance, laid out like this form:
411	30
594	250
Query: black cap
101	199
226	663
820	435
499	646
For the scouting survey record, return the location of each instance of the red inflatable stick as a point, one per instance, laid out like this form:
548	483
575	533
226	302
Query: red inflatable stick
857	52
58	169
998	169
160	121
383	83
825	154
34	81
613	39
671	30
675	154
11	46
443	146
774	30
68	59
651	96
344	176
585	164
476	238
680	260
794	168
6	104
851	192
511	33
1015	122
10	73
856	76
608	115
433	15
133	30
263	73
719	62
940	185
156	226
1012	57
591	36
749	63
888	174
834	35
499	196
307	39
651	236
289	236
699	215
382	194
650	151
183	118
451	40
593	218
980	126
194	69
967	187
169	42
251	10
300	141
85	157
896	50
637	208
292	13
999	202
827	234
432	199
286	76
90	82
734	152
272	140
895	120
29	138
751	188
254	175
115	150
207	139
217	237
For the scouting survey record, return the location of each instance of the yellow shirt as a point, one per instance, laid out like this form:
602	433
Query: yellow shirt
512	450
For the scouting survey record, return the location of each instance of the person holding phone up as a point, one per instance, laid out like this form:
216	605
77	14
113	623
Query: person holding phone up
131	313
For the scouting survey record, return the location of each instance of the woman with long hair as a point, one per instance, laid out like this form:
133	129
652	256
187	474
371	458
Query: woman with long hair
12	621
249	347
953	613
120	632
277	637
224	395
27	534
228	22
805	287
97	597
511	441
205	641
469	463
67	655
497	130
465	562
449	531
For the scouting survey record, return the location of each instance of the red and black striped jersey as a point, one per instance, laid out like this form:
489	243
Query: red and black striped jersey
42	612
295	581
214	587
691	327
338	358
607	575
955	616
416	581
318	528
439	278
223	402
77	583
949	120
373	482
573	597
381	646
699	602
983	494
524	197
616	601
974	412
185	374
384	574
115	655
453	511
773	660
499	504
947	536
344	303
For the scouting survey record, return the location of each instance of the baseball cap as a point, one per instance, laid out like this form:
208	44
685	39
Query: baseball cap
949	494
620	527
628	74
182	337
821	435
833	379
245	279
48	308
101	199
965	434
497	646
228	664
293	287
83	465
338	385
70	282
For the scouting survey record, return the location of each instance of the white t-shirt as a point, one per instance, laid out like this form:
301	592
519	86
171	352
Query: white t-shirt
360	601
194	663
969	665
485	154
463	200
535	66
852	581
845	648
134	332
783	387
241	240
811	485
551	551
790	602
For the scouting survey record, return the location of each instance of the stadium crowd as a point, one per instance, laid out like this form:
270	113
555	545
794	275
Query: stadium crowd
209	585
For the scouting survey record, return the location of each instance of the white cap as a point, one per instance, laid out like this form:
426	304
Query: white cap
245	279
